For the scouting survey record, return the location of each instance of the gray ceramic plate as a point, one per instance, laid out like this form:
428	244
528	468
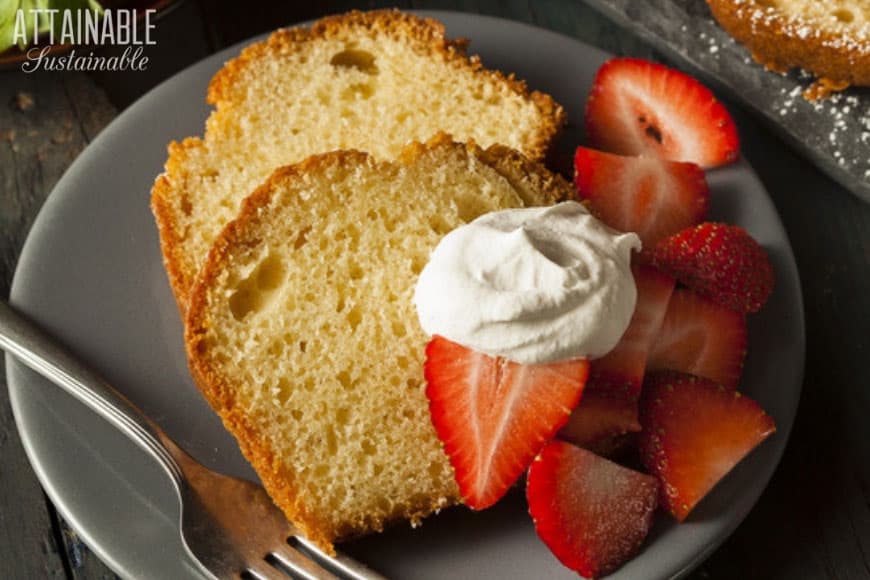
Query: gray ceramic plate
91	273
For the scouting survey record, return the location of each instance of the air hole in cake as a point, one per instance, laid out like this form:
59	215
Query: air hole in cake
244	301
439	225
270	273
399	329
341	303
354	317
186	207
252	293
355	272
361	60
368	447
296	414
402	362
361	91
342	415
276	349
283	391
301	238
417	264
344	378
844	15
302	345
331	441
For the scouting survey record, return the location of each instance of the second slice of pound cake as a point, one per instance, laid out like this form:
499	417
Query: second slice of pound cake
372	81
302	335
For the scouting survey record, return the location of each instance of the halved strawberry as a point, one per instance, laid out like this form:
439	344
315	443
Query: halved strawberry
592	513
638	107
720	261
623	367
701	338
694	432
601	415
647	195
494	415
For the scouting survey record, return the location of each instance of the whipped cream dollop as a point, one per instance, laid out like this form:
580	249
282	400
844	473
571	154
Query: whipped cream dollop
532	285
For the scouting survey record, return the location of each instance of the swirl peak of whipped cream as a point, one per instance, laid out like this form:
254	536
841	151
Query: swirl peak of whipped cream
532	285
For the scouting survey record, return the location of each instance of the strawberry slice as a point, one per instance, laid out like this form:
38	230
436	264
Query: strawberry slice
694	432
622	368
494	415
592	513
647	195
720	261
701	338
601	416
638	107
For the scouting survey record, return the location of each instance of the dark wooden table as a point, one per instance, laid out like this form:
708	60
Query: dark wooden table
813	521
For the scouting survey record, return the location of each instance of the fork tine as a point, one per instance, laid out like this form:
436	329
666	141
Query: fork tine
264	571
348	567
300	564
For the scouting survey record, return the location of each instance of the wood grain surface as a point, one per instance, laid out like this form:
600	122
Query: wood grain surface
813	521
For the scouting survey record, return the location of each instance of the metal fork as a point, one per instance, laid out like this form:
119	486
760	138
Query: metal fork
229	526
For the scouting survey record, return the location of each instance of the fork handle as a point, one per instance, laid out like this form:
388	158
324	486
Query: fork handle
25	341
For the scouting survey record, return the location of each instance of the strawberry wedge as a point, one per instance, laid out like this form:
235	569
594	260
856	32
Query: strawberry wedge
638	107
599	418
494	415
650	196
695	432
719	261
702	338
622	368
592	513
609	405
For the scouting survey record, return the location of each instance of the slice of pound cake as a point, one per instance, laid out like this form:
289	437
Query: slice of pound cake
371	81
829	38
302	334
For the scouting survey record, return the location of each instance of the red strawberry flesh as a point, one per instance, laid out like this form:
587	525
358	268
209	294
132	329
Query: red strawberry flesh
695	432
646	195
592	513
494	415
622	368
600	416
638	107
701	338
